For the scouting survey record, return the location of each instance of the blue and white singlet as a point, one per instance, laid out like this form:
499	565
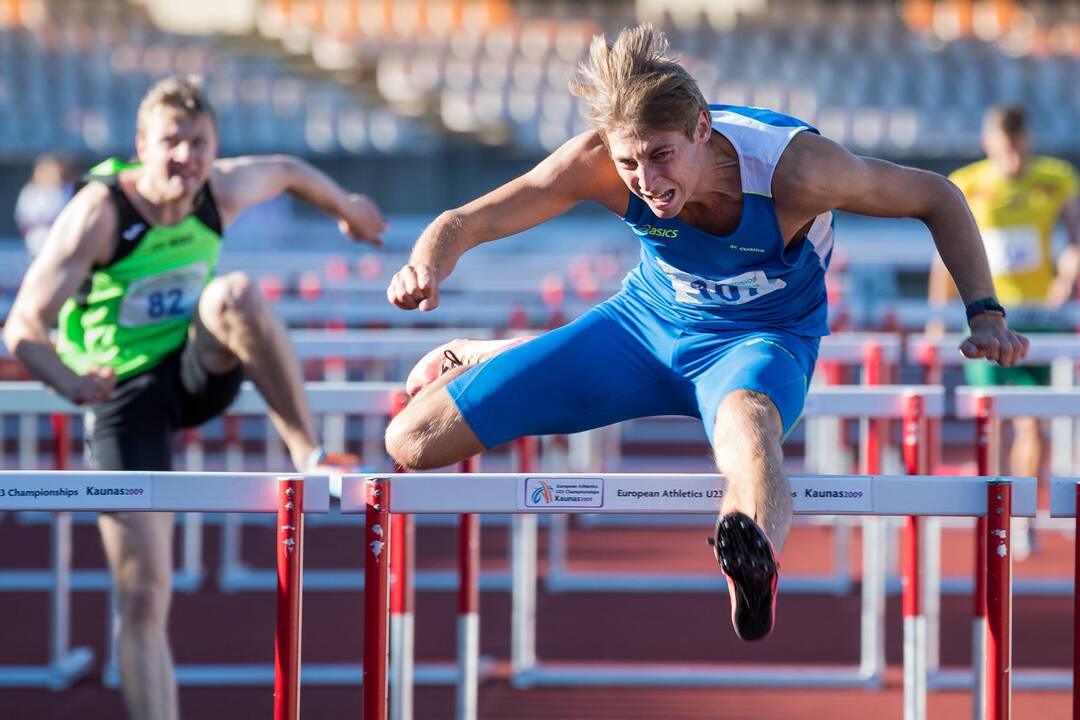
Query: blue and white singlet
745	280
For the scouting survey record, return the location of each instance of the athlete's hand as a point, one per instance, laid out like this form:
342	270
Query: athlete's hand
361	220
992	339
414	286
94	386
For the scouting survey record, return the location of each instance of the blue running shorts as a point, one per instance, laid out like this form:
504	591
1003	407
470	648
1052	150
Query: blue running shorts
621	361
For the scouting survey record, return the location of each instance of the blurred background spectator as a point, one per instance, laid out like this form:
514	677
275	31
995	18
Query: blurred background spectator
50	186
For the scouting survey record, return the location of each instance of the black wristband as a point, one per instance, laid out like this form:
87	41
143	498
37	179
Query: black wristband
978	307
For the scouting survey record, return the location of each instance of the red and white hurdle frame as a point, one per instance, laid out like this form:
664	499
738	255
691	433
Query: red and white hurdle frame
987	406
1064	502
289	496
31	398
913	404
875	354
383	496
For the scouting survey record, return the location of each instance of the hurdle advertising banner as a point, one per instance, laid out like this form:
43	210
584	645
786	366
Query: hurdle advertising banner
71	491
683	493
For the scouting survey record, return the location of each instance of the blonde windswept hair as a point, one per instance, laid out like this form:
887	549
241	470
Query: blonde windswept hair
635	82
184	93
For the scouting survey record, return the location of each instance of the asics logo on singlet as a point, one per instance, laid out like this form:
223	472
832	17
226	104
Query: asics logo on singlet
133	232
657	232
735	290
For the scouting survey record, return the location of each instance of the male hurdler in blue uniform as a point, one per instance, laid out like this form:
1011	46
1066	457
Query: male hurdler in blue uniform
722	317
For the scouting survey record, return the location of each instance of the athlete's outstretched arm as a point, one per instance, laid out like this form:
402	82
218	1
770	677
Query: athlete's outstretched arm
241	182
580	170
81	236
816	175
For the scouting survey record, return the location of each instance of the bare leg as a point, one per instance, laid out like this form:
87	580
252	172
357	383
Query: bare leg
235	325
1028	452
430	432
746	447
139	550
1028	457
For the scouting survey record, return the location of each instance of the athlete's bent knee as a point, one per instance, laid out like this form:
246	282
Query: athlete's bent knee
232	294
404	443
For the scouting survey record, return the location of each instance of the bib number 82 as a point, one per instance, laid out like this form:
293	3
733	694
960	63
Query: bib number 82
167	303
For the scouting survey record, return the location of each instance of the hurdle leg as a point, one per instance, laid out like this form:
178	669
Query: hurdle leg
191	558
874	548
1076	611
872	635
468	653
915	675
523	546
402	562
290	567
986	465
998	602
376	598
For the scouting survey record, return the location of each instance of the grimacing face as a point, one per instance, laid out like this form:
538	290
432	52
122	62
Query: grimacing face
176	150
663	167
1009	153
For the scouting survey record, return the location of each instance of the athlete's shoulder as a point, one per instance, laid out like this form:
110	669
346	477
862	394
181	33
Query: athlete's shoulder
964	176
1046	168
87	224
582	167
584	150
94	202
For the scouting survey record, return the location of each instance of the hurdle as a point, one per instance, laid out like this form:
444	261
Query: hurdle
289	496
986	405
66	664
912	404
876	352
1064	501
1061	351
865	402
383	496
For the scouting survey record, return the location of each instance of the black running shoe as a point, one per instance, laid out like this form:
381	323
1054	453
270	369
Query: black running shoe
747	559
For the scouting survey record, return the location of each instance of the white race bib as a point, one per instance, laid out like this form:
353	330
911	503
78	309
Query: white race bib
160	298
1013	250
736	290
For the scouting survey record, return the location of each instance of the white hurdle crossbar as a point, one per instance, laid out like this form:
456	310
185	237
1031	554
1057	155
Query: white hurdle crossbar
290	496
382	496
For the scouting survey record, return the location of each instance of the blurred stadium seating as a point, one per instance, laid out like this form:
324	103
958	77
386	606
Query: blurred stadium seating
73	71
443	99
906	79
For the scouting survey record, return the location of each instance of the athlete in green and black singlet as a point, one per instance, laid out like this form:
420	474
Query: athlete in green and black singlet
133	314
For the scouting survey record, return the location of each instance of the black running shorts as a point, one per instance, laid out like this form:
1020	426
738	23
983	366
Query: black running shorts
133	428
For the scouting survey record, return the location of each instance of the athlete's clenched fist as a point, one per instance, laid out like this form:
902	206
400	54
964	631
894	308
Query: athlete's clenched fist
414	286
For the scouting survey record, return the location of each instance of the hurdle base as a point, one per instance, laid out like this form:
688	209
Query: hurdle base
83	580
327	674
241	578
570	674
1022	586
56	676
580	581
1029	679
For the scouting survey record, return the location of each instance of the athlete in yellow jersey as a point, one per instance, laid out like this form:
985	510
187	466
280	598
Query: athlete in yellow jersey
1017	200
